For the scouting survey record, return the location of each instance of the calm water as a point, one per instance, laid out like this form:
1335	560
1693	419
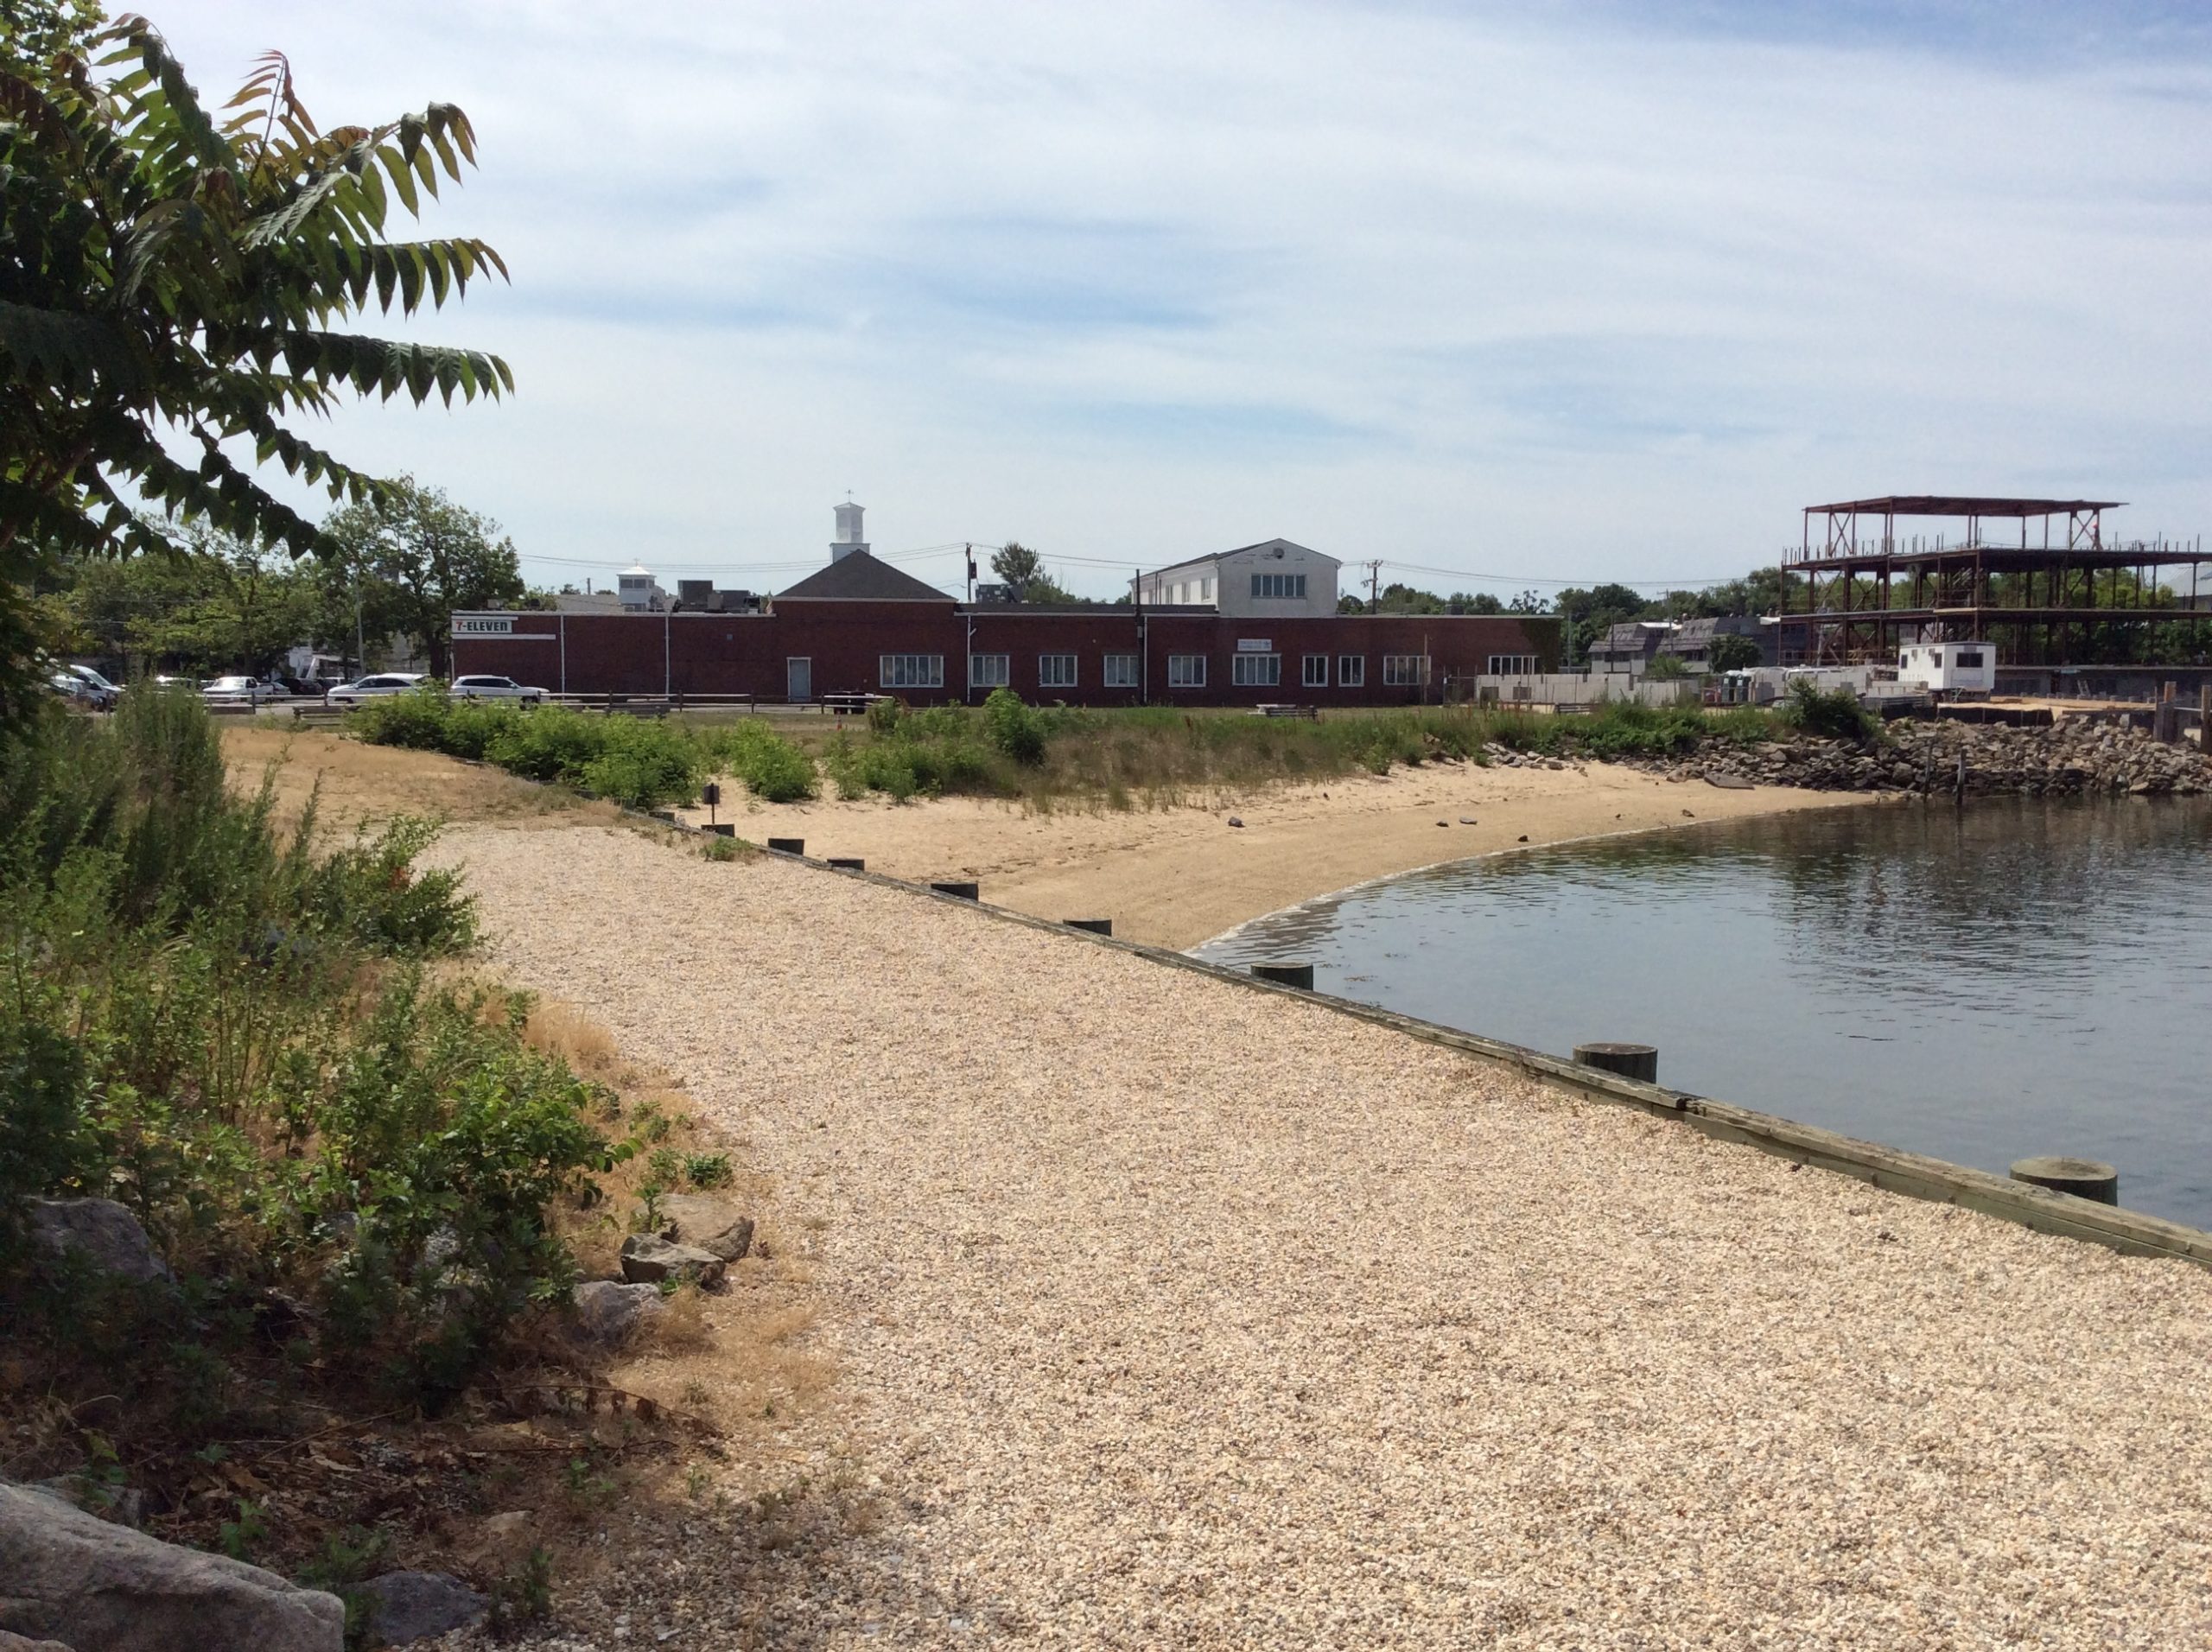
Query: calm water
1980	985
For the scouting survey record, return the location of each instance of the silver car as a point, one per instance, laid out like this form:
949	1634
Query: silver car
494	687
244	691
370	688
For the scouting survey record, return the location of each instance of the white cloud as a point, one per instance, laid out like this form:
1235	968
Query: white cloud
1531	291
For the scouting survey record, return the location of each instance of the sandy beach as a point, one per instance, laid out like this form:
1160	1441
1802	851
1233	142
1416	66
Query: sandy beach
1176	877
1167	1312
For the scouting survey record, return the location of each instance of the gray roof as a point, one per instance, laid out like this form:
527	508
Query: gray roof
588	602
1630	637
860	578
1215	555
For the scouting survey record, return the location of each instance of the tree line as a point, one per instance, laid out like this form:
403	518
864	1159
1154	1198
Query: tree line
398	568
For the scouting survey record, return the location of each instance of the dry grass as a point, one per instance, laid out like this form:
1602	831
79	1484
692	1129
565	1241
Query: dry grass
365	784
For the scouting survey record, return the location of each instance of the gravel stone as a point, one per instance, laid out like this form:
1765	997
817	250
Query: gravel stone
1167	1313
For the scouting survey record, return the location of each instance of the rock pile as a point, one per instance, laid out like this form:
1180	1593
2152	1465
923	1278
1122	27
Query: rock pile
697	1239
2071	758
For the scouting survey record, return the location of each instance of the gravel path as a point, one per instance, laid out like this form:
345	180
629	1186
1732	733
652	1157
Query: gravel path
1172	1314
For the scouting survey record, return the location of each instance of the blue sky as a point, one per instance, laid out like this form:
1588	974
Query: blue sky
1543	291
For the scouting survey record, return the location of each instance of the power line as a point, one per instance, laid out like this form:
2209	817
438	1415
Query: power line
1531	579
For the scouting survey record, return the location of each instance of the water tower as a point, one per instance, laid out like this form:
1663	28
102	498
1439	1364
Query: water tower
849	539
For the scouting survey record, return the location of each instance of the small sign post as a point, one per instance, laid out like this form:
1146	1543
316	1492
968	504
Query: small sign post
711	794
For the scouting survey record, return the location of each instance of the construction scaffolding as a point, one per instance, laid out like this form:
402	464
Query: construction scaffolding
1859	591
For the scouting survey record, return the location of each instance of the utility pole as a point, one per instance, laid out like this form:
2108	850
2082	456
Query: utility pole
1374	585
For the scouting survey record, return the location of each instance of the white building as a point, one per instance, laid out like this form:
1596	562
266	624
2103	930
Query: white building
1273	579
849	539
640	592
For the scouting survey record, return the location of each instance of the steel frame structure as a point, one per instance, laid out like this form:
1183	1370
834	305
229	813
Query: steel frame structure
1863	598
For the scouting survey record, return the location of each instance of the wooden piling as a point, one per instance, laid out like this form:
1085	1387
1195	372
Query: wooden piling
1095	926
1628	1060
787	845
2083	1177
959	891
850	863
1287	974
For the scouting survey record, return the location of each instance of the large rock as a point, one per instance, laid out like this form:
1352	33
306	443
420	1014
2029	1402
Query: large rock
610	1312
69	1577
647	1259
100	1232
710	1223
408	1606
11	1642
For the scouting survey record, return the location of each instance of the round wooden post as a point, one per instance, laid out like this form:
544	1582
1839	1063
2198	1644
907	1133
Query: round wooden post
1095	926
959	891
1628	1060
787	846
1287	974
2083	1177
850	863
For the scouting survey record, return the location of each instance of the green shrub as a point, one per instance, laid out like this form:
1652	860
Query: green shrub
644	764
771	768
551	744
449	1139
1831	714
1013	728
210	1020
417	719
472	727
707	1170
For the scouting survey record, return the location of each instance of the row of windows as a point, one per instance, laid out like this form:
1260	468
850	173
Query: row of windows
1184	670
1513	665
1279	585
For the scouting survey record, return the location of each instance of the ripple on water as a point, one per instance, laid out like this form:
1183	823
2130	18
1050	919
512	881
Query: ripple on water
1979	984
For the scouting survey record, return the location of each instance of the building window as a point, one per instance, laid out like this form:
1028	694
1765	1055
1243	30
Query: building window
1256	671
1121	671
1187	671
988	672
1513	665
1056	670
1404	671
1205	590
1314	673
1351	670
910	671
1287	587
1968	660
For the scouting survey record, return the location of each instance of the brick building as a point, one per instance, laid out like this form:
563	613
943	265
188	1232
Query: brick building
862	625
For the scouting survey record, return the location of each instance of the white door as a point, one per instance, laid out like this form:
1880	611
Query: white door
798	679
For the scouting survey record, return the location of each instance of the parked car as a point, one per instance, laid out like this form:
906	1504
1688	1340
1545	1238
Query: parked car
244	691
369	688
104	695
494	687
78	692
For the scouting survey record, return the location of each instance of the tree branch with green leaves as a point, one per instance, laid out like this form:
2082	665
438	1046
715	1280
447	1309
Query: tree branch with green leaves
175	284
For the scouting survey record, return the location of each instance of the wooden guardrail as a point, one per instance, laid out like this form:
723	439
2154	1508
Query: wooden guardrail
1915	1175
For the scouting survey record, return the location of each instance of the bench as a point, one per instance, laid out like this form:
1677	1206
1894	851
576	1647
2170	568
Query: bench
848	705
1312	713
